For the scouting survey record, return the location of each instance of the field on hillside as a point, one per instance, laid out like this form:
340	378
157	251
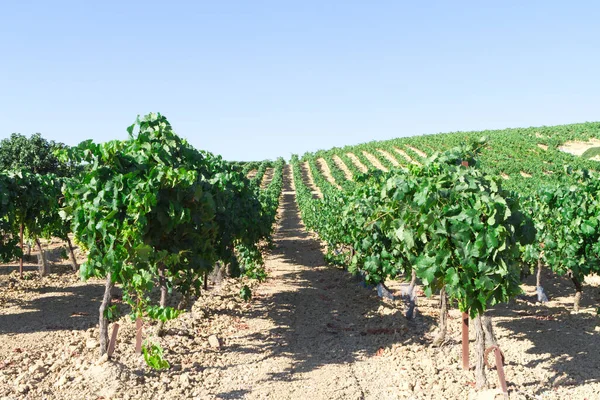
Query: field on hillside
524	157
391	208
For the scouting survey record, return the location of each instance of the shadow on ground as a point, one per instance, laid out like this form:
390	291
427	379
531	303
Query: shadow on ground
322	314
568	341
69	308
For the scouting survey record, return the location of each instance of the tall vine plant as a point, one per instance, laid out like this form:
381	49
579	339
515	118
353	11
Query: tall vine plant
568	230
453	226
145	213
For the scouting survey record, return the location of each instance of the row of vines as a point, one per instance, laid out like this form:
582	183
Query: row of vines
401	210
151	212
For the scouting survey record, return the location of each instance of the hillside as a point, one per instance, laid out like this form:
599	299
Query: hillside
523	157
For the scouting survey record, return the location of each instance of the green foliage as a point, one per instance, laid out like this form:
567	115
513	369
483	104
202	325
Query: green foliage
64	255
506	152
163	314
553	188
260	173
154	203
591	152
27	276
246	293
31	200
153	355
567	223
9	239
258	225
249	166
34	155
142	204
453	225
112	313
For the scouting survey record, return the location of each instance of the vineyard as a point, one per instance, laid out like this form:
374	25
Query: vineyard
447	266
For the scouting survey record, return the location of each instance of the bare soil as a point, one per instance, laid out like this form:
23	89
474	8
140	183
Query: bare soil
406	156
374	161
577	148
309	181
341	165
419	152
390	157
324	168
362	167
267	178
310	332
252	173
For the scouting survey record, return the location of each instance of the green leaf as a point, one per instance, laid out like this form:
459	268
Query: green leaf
406	236
491	240
452	278
153	356
143	252
587	229
246	293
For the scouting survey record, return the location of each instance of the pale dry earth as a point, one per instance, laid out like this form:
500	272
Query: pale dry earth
374	161
417	151
309	181
310	332
577	148
252	173
387	155
362	167
342	165
326	171
267	178
406	156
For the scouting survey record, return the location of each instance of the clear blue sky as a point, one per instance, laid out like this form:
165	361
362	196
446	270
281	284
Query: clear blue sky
259	79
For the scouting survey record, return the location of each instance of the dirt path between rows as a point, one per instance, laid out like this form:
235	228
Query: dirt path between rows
406	156
267	178
314	332
362	167
252	174
309	181
417	151
374	161
326	171
387	155
36	312
341	165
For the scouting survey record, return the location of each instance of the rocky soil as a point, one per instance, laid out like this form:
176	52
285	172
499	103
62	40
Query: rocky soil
309	332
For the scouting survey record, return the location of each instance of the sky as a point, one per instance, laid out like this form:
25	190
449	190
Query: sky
254	80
